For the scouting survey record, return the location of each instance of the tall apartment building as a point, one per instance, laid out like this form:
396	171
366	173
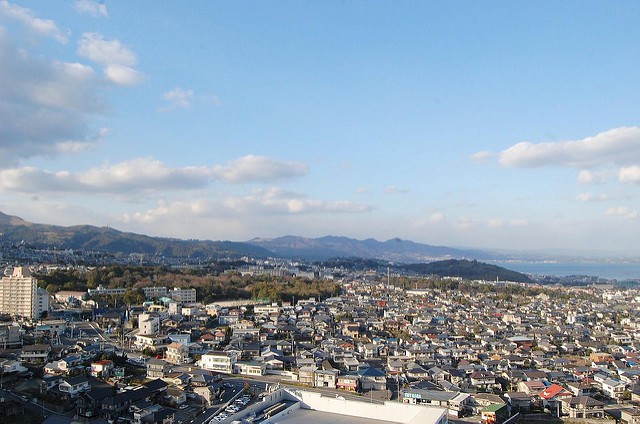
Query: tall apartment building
19	294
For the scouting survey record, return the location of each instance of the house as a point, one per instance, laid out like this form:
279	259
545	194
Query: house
582	407
519	401
251	368
494	414
325	378
38	353
350	383
177	353
305	375
157	368
531	388
630	416
73	386
613	389
483	379
552	395
102	369
176	396
219	361
372	378
207	393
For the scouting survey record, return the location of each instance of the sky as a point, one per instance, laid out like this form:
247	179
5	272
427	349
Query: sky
506	125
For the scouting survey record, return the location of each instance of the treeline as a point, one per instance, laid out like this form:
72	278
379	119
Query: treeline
209	288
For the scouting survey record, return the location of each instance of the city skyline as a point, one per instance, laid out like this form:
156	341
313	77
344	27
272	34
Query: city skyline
493	125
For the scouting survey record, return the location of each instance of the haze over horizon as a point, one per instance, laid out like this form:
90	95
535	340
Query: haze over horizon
494	125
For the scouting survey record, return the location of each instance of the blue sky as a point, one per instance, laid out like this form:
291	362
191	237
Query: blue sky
504	125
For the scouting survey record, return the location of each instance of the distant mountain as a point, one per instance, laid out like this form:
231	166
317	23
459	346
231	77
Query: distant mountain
395	250
15	230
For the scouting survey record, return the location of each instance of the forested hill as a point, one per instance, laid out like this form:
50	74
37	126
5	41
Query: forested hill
470	270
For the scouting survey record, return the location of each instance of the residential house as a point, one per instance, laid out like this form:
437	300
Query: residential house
494	414
630	416
350	383
325	378
613	389
102	369
372	378
157	368
177	353
73	386
38	353
582	407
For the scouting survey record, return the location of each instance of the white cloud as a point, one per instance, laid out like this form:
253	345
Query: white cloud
137	175
395	190
589	197
482	156
92	7
96	48
43	27
265	203
617	146
117	60
629	174
623	212
593	177
45	105
258	168
123	75
177	98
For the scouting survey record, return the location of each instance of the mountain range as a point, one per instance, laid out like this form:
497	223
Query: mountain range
15	230
394	250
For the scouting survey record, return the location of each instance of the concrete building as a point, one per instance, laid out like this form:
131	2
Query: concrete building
154	292
219	361
19	294
148	324
183	295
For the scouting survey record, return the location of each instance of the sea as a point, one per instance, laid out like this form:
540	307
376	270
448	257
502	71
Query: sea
611	271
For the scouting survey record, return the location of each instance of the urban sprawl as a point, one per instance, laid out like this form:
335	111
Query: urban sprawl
370	346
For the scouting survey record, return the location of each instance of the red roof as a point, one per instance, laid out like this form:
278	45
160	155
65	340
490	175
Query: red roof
553	391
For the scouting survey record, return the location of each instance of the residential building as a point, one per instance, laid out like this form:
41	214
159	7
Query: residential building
219	361
177	353
39	353
148	324
157	368
19	294
73	386
183	296
582	407
154	292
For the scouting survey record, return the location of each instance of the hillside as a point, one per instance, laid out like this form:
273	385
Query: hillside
395	250
15	230
470	270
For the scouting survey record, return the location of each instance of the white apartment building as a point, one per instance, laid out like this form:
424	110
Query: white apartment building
148	324
183	295
154	292
19	294
219	361
44	300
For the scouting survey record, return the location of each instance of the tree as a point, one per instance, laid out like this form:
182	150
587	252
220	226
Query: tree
133	297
